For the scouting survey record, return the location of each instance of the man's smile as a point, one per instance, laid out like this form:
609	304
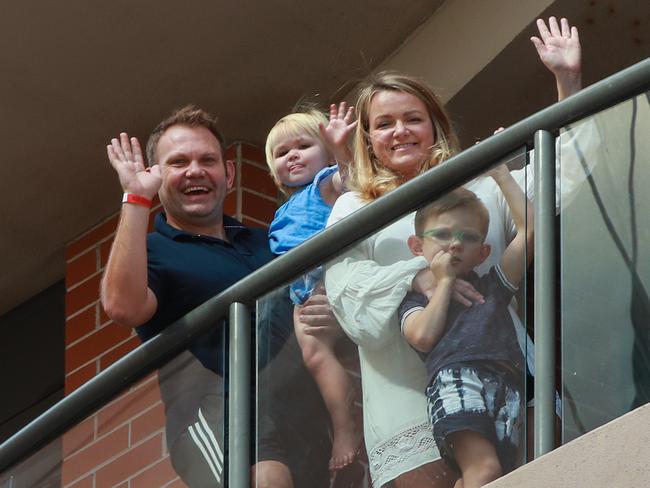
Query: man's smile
196	190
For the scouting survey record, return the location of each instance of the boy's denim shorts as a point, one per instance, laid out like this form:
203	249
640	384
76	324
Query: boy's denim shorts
479	397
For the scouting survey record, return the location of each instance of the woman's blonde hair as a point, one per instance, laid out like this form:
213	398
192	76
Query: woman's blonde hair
294	125
368	176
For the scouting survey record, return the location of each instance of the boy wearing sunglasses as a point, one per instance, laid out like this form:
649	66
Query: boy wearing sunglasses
475	366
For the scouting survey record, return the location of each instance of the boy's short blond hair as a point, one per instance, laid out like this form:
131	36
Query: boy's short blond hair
458	198
294	125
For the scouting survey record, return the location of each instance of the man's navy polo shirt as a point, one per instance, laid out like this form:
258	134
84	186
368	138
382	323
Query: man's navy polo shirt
185	270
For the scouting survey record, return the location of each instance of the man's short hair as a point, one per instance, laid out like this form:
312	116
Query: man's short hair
458	198
191	116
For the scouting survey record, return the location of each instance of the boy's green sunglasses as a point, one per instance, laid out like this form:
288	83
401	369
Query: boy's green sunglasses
446	235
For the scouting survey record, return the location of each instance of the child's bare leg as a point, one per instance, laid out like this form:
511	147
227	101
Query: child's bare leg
334	385
476	457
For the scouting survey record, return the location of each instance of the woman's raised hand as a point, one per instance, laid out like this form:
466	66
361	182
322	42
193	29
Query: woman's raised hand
558	47
126	158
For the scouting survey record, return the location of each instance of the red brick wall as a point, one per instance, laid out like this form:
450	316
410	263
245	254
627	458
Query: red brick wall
123	444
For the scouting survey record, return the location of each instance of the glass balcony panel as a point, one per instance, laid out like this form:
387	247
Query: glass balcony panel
166	430
605	273
375	379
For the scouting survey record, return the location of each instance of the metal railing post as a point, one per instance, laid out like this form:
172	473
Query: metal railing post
239	397
544	294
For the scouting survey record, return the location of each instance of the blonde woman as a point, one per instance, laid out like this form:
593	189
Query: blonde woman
403	131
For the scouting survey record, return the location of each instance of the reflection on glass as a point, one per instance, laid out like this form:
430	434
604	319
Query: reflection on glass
606	272
166	429
193	396
292	420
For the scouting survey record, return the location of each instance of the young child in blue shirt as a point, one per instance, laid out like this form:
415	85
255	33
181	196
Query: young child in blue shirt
308	157
474	364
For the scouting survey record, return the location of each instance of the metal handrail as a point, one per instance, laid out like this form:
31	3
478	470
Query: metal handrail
435	182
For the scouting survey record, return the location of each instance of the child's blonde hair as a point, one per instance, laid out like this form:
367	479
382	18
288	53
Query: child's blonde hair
368	175
294	125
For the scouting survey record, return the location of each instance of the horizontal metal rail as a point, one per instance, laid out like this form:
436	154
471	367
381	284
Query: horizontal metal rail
454	172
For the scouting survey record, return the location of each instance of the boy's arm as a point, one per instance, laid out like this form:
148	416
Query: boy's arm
424	328
519	252
558	47
336	134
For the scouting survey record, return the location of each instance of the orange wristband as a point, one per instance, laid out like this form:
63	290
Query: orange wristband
136	199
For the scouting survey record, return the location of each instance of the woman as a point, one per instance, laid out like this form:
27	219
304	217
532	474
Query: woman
403	131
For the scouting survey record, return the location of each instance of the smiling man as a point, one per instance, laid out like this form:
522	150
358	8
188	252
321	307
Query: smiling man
194	253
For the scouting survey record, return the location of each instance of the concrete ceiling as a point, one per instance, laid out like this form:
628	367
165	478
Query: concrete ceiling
75	73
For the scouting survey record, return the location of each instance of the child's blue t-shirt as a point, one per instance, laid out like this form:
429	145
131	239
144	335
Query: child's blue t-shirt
302	216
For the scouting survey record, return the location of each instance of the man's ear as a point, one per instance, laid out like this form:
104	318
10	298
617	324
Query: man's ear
485	252
229	165
415	245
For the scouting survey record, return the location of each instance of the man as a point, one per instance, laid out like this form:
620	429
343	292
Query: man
194	253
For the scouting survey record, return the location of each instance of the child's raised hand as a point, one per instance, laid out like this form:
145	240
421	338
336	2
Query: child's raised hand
341	124
558	47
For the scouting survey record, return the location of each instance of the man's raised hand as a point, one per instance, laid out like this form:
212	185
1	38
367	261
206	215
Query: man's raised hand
126	158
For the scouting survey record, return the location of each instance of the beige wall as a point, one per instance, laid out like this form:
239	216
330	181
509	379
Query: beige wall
614	456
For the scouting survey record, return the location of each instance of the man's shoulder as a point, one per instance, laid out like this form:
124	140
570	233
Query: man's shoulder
256	237
256	233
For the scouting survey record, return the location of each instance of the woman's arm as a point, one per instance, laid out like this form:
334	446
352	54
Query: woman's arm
558	47
578	150
363	294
